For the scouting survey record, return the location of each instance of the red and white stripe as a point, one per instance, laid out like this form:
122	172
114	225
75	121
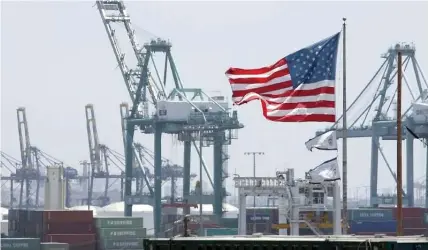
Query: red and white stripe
280	102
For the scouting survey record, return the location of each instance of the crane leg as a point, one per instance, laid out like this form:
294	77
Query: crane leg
409	170
129	159
426	178
218	176
374	169
186	170
158	180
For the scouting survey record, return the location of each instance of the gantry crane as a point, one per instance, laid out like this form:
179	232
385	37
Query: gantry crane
377	120
99	158
198	117
32	167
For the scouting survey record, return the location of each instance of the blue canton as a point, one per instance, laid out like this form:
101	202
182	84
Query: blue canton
314	63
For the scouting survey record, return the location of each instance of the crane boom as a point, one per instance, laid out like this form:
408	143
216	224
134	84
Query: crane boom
25	146
115	12
93	141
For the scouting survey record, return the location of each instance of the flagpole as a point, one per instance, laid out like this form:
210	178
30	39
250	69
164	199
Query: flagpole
344	136
399	150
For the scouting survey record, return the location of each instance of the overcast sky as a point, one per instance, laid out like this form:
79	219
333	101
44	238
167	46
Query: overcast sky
56	58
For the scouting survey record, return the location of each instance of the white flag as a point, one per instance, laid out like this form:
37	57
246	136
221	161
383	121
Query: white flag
325	141
327	171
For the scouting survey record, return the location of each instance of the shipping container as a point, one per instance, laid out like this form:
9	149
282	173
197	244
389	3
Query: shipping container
75	241
20	243
121	244
122	233
413	223
69	228
373	226
411	212
54	246
38	230
308	231
119	222
221	231
35	216
414	231
68	216
371	215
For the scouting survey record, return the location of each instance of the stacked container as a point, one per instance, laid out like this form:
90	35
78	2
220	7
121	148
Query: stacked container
72	227
370	221
120	233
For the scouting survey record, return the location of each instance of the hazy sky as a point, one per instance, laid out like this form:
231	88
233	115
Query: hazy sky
56	58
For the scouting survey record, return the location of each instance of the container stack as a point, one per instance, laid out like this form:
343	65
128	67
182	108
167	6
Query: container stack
72	227
120	233
372	221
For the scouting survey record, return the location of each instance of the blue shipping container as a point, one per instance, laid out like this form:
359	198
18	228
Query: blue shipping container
373	226
371	215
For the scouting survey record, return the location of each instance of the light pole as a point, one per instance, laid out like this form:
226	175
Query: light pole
254	154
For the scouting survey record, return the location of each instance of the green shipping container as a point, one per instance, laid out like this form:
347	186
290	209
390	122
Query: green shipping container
54	246
122	233
119	222
122	244
20	243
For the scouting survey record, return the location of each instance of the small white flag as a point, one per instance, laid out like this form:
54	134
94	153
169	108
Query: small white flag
325	141
327	171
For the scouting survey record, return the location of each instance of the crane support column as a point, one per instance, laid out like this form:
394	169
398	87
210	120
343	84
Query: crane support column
374	166
157	208
409	169
129	159
218	175
186	172
426	177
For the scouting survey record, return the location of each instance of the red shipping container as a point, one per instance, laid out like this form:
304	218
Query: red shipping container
68	216
413	223
411	212
76	241
69	228
414	231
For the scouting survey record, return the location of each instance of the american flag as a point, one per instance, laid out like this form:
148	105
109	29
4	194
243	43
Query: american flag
297	88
